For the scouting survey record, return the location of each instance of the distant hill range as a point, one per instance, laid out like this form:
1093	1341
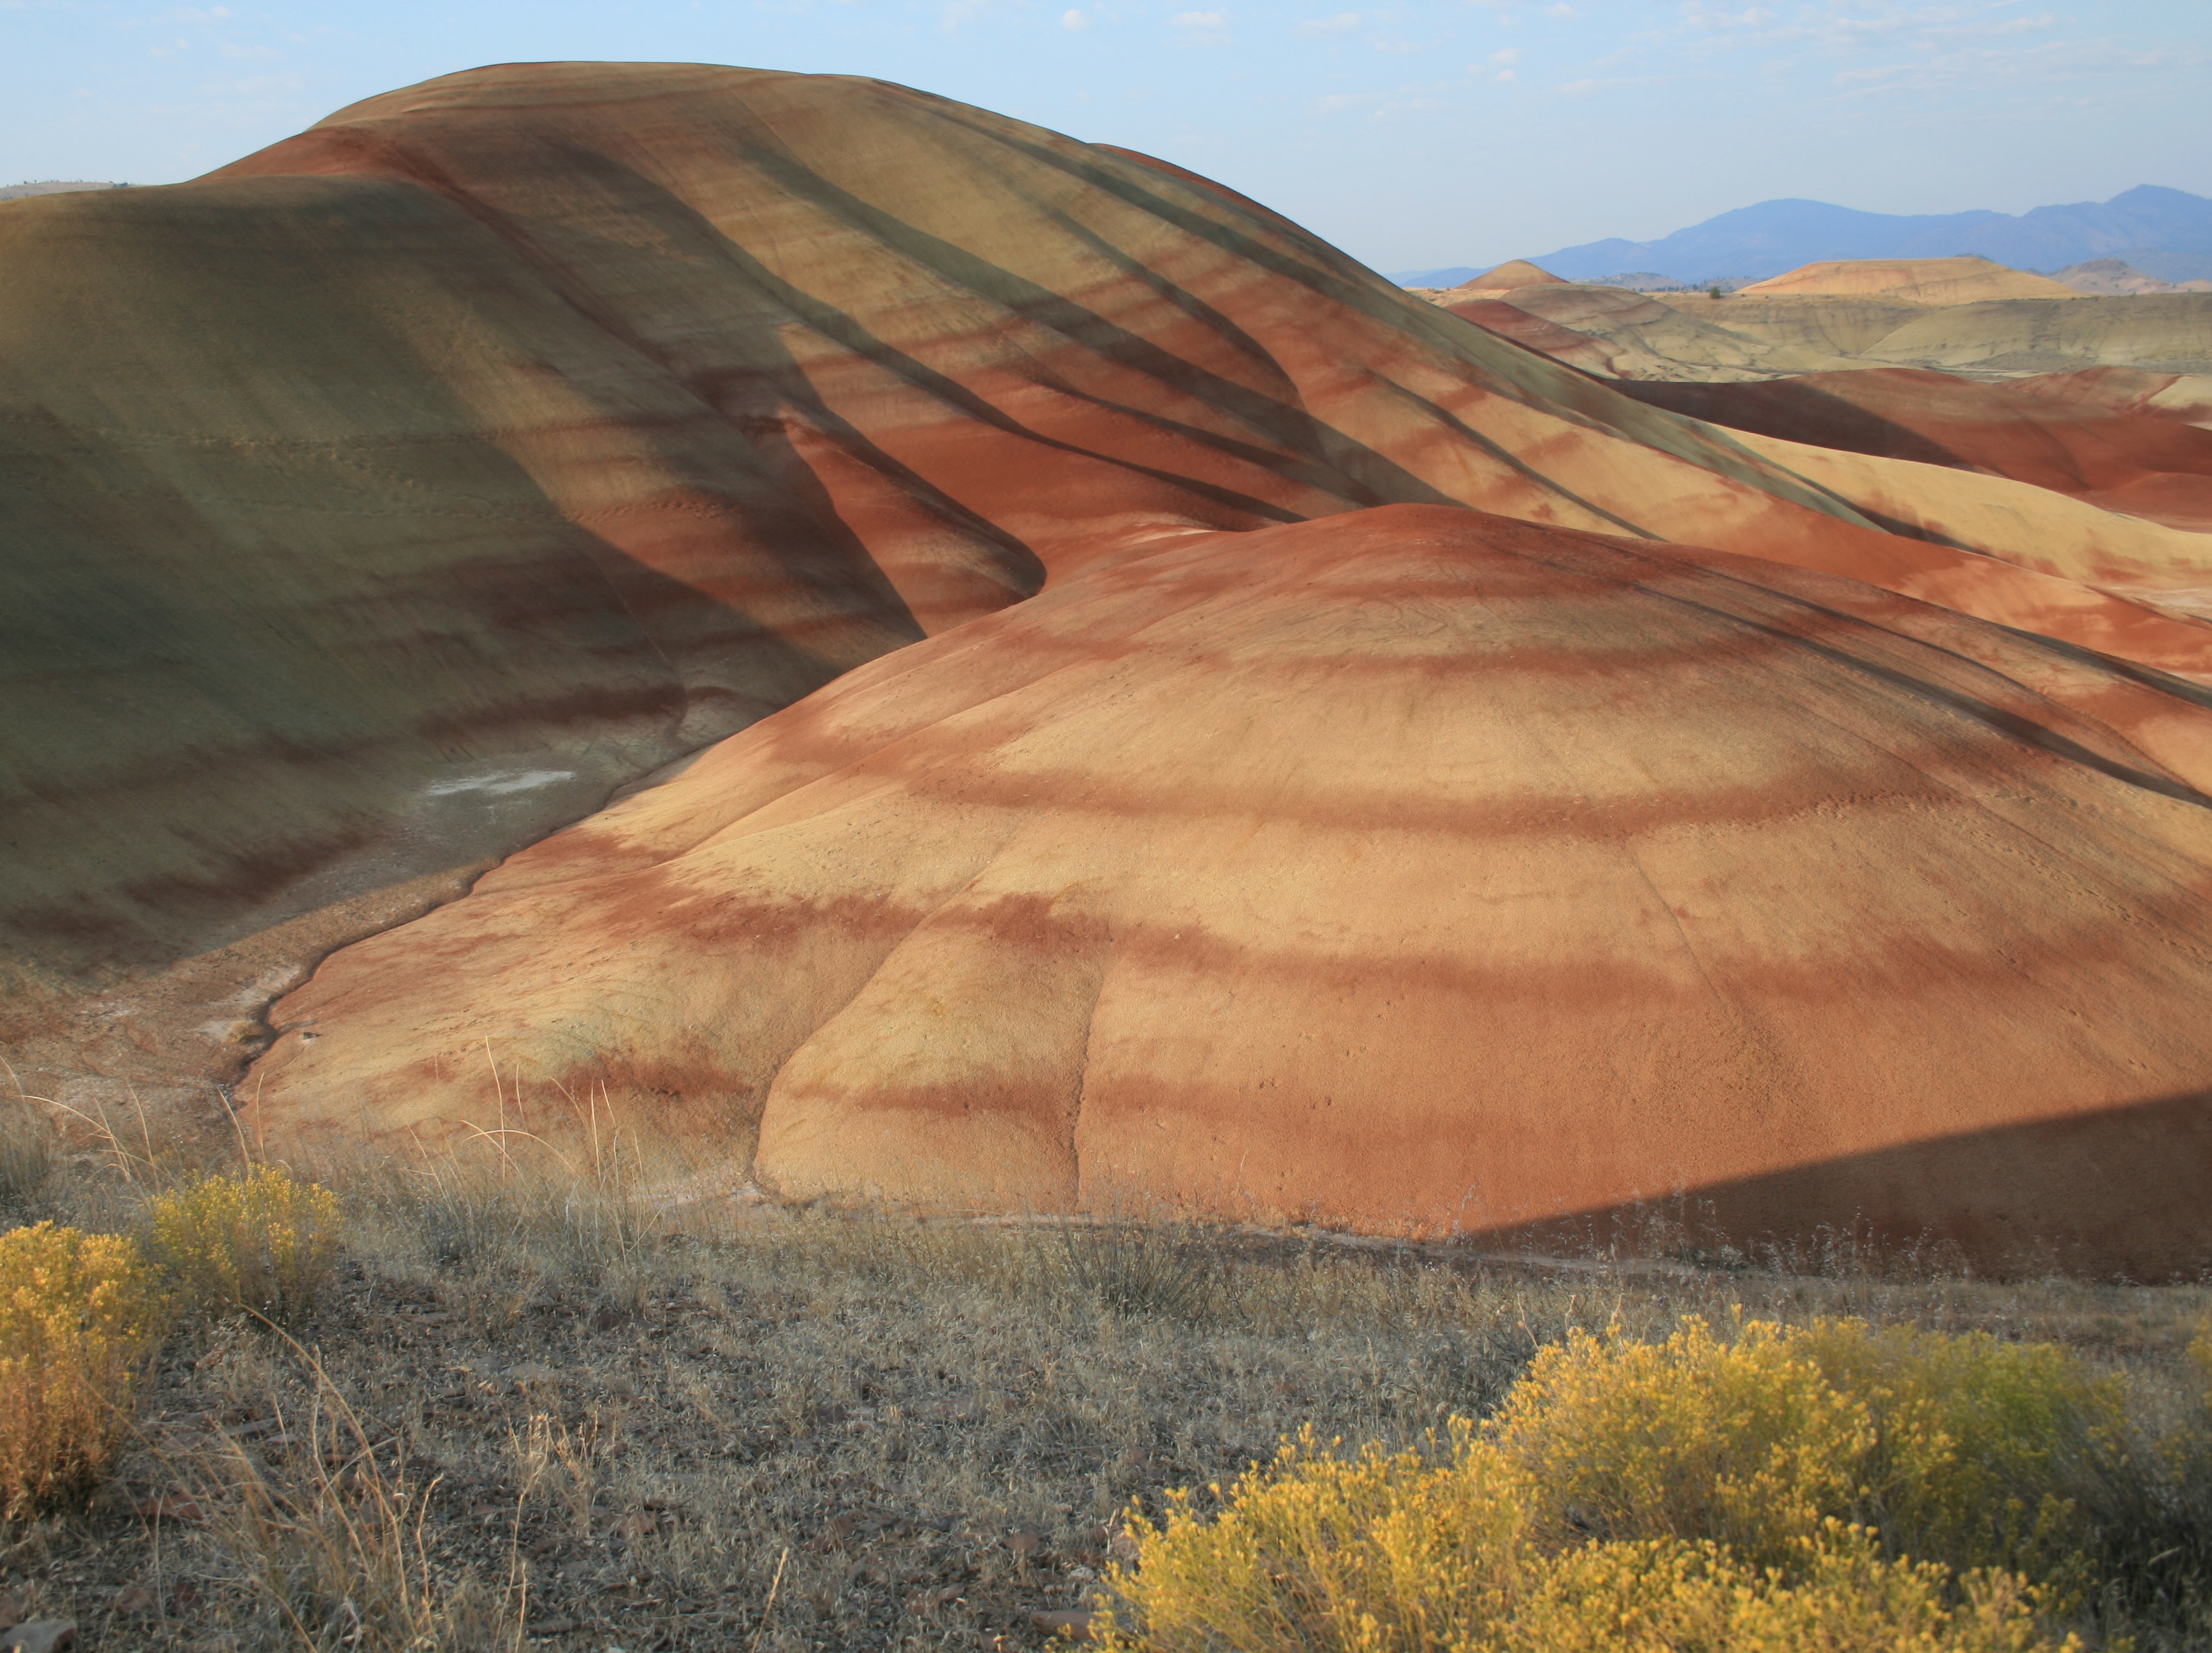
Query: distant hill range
2117	275
51	186
2163	234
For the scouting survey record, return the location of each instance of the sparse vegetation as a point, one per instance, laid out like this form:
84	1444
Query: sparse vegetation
262	1241
548	1402
1828	1485
27	1158
79	1314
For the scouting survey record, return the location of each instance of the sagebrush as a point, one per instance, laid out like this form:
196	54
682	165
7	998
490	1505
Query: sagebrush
79	1314
264	1242
1827	1485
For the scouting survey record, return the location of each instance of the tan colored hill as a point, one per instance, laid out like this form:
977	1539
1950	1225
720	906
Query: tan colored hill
1640	337
1912	280
1751	336
2109	275
1209	727
2169	331
1514	272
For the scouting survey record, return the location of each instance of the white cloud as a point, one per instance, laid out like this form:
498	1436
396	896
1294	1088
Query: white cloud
1937	70
1695	15
1074	19
1503	76
1510	55
1343	22
1562	9
260	86
1200	20
1415	99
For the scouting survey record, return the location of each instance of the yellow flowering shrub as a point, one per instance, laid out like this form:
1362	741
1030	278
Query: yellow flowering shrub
1956	1447
1380	1553
264	1241
79	1314
1978	1442
1828	1487
1747	1444
1668	1595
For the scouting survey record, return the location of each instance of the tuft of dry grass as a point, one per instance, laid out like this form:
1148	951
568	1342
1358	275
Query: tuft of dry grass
331	1535
26	1159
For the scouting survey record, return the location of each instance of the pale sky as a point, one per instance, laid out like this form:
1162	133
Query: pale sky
1423	133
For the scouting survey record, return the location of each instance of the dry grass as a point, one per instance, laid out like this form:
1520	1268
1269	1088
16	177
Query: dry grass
549	1409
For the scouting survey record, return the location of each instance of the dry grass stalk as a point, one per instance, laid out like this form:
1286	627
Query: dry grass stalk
336	1544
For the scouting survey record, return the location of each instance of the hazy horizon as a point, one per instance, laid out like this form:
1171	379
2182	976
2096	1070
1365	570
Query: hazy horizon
1418	135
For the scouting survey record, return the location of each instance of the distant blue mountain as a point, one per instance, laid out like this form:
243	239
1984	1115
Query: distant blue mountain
1449	276
1779	235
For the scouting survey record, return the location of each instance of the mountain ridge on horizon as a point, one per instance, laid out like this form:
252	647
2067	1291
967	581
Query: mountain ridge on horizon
2166	233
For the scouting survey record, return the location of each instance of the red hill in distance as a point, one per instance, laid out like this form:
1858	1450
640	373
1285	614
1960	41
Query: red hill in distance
1250	740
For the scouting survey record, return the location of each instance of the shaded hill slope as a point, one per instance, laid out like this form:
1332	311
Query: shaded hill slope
2119	452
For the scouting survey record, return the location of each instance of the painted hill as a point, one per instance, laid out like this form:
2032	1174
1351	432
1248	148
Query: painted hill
2115	275
1912	280
1475	927
1756	333
1197	725
1516	272
2122	440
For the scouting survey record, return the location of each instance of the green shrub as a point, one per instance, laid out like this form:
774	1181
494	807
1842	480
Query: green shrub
1829	1487
79	1314
264	1242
